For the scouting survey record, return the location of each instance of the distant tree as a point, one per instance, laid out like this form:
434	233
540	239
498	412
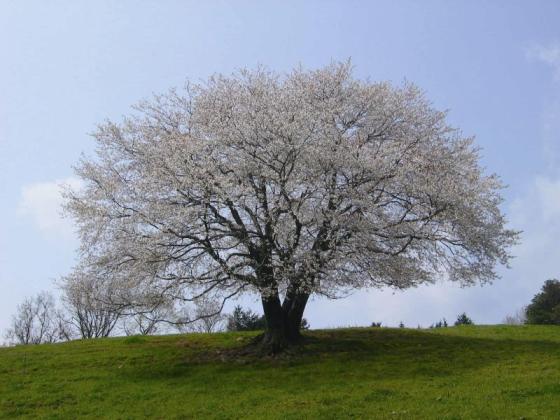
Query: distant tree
207	315
545	306
140	324
376	324
287	186
35	321
436	325
150	321
89	306
401	324
440	324
305	324
518	318
245	320
64	329
463	319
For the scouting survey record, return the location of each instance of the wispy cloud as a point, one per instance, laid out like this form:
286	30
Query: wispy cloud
41	202
549	54
548	191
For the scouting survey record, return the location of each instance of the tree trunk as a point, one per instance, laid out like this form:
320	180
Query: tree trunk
275	337
294	306
283	321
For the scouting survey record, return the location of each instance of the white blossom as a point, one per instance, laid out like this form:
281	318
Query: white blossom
314	182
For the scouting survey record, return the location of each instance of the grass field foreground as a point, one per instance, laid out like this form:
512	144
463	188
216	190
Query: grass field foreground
453	373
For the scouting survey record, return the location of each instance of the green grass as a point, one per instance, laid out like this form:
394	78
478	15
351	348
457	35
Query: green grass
463	372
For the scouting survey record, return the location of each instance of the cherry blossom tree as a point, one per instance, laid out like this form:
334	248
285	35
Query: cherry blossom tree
286	186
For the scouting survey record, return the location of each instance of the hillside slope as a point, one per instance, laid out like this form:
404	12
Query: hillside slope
466	372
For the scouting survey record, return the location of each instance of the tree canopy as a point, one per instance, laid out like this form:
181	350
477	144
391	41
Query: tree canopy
545	306
312	182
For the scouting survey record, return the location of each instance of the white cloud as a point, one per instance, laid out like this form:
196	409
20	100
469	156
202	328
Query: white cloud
547	54
548	193
551	134
550	56
42	203
536	212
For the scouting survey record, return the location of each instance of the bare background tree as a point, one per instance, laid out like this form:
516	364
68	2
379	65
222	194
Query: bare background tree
207	315
36	321
285	186
151	321
517	318
89	307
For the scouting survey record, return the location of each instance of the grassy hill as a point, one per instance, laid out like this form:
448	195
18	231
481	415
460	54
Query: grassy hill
462	372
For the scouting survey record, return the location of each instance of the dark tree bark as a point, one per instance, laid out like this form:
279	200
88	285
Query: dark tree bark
293	307
283	320
275	338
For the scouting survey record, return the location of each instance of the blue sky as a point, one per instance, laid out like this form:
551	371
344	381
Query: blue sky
66	66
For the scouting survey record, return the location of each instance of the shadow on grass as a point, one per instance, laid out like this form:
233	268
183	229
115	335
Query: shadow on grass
389	353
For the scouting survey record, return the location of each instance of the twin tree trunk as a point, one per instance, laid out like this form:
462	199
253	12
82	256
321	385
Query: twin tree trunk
283	321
